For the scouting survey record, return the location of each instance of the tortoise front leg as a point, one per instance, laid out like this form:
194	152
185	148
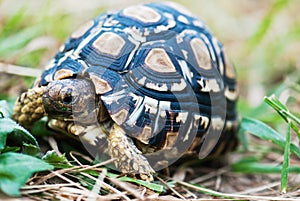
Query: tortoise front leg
29	107
128	159
110	140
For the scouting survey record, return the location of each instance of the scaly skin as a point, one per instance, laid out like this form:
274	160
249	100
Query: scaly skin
128	158
29	107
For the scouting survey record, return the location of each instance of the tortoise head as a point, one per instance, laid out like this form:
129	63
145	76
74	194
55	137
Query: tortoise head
71	100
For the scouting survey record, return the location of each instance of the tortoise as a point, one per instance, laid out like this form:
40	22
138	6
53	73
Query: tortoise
145	85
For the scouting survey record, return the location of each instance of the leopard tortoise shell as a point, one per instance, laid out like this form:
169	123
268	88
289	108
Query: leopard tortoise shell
148	83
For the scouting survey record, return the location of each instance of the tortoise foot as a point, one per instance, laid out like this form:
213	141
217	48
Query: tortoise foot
128	159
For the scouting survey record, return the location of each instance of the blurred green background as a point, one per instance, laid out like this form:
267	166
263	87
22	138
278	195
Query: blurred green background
261	38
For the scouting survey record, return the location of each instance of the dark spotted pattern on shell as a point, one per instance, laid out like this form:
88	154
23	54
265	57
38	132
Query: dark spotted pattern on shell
157	69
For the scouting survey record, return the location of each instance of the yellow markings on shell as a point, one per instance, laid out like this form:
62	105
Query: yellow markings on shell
138	109
82	29
179	39
142	13
178	86
198	23
204	121
187	73
188	133
182	19
151	104
231	95
142	80
209	46
185	53
136	36
156	86
115	97
211	85
48	77
170	25
120	116
229	124
146	134
63	73
217	53
102	86
182	117
159	61
109	43
217	123
201	53
164	105
170	141
188	32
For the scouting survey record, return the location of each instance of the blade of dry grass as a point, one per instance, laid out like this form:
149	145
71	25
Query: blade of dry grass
210	175
107	186
232	195
172	189
97	186
258	189
26	190
19	70
127	188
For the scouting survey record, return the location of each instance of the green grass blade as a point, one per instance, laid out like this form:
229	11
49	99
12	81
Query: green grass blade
265	24
203	189
281	109
265	132
262	168
153	186
285	165
19	40
12	24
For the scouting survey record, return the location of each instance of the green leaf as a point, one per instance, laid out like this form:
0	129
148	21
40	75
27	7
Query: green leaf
265	132
6	127
10	149
203	189
153	186
5	110
57	161
10	128
31	150
40	129
16	169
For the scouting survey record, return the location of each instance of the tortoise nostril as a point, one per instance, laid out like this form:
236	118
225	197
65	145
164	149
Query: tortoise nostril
67	99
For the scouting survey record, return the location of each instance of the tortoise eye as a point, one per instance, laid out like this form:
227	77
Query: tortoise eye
67	99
